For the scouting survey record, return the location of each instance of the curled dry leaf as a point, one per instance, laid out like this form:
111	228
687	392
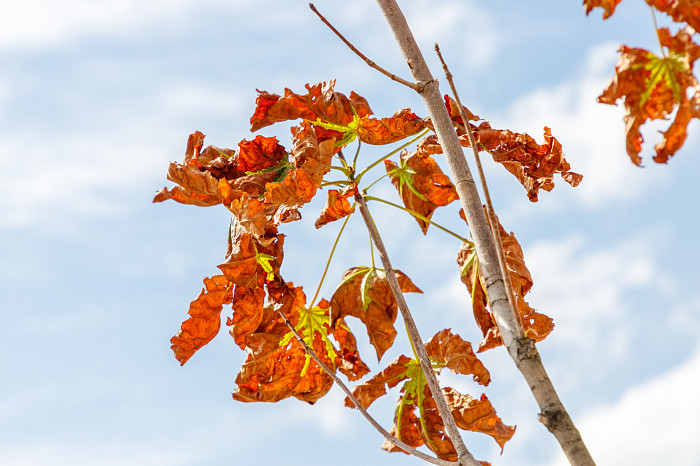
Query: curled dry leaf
477	416
422	185
653	88
608	5
402	124
337	206
451	351
364	293
334	115
682	11
320	102
535	325
277	366
417	421
205	318
533	164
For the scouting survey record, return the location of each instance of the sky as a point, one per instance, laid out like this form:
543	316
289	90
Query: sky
98	97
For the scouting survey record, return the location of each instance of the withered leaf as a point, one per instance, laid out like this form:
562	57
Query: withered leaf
451	351
402	124
259	154
277	366
337	206
320	102
652	88
608	5
535	325
534	165
455	115
365	294
422	185
205	318
687	11
477	416
417	421
369	390
348	360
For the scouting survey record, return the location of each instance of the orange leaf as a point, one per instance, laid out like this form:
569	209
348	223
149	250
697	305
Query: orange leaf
369	390
205	318
404	123
365	294
348	362
247	313
533	164
321	102
451	351
259	154
477	416
422	185
535	325
687	11
337	205
652	88
277	366
608	5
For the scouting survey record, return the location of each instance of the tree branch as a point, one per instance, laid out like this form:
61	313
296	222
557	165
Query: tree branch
465	458
359	406
495	230
522	350
360	54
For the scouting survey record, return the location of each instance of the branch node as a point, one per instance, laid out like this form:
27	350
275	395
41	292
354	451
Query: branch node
550	418
526	348
422	85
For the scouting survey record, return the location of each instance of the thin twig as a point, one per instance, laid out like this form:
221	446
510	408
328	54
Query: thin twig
522	350
495	230
361	55
656	28
465	458
359	406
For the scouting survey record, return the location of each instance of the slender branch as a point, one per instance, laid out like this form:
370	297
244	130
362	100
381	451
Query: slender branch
521	350
417	215
465	458
358	405
330	256
495	230
360	54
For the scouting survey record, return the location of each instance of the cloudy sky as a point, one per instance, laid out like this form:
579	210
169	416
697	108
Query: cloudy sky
97	97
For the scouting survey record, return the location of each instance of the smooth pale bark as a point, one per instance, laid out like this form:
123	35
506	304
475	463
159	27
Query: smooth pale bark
464	457
521	349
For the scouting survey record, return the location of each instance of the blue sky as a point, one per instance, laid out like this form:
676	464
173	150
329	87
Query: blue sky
97	97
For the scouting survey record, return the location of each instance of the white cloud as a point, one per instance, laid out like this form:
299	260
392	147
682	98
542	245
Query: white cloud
652	423
475	27
37	23
584	289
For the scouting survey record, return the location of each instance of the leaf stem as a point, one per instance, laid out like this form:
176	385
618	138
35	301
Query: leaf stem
417	215
358	405
656	28
420	135
357	152
328	262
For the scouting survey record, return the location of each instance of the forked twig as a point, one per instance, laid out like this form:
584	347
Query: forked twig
495	230
361	55
359	406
